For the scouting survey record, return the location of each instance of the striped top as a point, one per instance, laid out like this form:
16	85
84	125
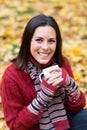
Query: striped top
18	91
50	101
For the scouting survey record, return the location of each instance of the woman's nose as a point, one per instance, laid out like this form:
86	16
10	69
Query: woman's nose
45	45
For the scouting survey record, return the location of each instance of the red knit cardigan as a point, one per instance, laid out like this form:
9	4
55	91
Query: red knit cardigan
18	92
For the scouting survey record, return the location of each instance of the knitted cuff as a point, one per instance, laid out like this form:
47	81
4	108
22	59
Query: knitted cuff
43	99
66	78
72	91
48	88
37	106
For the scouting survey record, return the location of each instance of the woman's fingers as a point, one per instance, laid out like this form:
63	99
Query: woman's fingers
54	78
53	75
56	81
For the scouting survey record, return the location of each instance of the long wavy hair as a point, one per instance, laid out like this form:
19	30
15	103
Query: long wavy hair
24	52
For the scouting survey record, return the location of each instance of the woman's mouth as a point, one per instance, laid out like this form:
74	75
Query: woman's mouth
43	54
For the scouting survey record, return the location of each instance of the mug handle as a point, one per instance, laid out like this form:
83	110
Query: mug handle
41	76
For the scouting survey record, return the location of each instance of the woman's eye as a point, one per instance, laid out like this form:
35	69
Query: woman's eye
52	41
39	40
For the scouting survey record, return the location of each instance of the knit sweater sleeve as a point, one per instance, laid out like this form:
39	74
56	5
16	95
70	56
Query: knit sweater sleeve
73	92
16	114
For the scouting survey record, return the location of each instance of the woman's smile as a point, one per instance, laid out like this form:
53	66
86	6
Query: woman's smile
43	54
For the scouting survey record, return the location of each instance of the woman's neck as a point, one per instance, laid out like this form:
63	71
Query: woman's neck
32	59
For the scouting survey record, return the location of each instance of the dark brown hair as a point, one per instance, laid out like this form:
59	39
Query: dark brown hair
24	52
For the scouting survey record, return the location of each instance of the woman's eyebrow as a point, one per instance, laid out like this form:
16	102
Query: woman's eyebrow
53	38
38	37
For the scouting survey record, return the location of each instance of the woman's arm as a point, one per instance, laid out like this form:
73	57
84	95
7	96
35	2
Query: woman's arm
75	98
17	116
76	106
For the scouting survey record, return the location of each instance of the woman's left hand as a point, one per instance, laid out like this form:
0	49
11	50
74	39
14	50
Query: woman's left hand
54	77
57	77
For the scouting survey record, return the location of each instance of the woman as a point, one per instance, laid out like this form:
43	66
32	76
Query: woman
53	103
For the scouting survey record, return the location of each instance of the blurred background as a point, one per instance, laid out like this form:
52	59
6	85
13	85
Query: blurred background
71	15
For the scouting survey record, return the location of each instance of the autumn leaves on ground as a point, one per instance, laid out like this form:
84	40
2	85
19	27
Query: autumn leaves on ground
71	16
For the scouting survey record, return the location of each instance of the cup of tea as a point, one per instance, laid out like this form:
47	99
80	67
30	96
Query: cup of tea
46	71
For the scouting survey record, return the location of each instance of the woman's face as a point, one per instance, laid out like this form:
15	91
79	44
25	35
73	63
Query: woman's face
43	44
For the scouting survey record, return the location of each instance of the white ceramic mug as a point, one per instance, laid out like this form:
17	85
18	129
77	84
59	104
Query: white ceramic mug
46	71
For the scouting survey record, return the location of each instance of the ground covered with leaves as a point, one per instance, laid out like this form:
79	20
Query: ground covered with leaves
71	16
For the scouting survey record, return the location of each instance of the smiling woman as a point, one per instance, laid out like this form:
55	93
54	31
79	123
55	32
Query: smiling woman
53	103
43	45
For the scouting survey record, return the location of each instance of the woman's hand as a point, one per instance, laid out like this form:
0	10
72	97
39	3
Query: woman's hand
54	77
57	77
